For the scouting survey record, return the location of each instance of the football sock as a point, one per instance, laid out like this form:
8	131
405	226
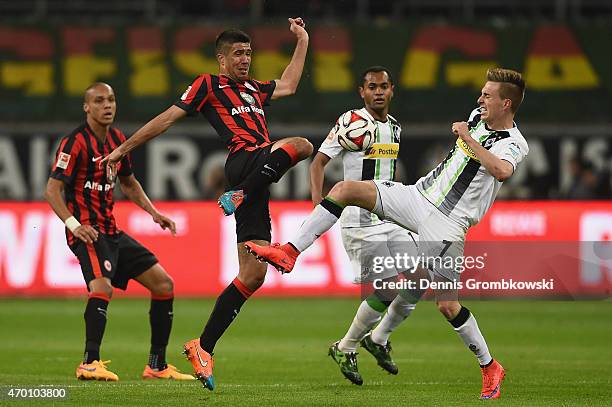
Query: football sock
278	162
368	314
226	309
466	326
160	319
320	220
397	312
95	322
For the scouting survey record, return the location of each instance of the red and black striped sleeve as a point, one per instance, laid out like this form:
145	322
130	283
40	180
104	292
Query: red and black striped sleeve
125	167
67	159
193	99
266	89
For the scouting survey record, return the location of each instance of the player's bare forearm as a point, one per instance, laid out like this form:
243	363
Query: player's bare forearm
54	196
152	129
317	176
288	83
134	192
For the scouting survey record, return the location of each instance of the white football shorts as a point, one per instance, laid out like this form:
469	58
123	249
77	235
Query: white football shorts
441	240
368	247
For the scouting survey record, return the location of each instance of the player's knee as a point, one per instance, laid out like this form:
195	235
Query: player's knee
342	191
448	308
306	148
303	147
165	286
102	287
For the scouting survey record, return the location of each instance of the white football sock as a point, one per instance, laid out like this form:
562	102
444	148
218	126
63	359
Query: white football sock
364	320
397	312
473	339
319	222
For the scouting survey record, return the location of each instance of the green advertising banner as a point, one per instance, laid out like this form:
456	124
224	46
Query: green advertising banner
438	69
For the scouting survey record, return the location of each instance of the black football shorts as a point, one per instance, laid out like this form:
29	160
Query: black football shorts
117	257
253	215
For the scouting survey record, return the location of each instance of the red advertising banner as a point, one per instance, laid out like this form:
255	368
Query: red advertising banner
563	246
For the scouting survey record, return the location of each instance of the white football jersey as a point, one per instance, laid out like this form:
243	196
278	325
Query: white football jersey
378	162
460	187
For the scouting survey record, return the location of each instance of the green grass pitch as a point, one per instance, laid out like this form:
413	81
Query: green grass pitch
555	353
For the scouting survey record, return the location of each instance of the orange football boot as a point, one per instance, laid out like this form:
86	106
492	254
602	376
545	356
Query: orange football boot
202	363
492	377
170	372
95	370
282	257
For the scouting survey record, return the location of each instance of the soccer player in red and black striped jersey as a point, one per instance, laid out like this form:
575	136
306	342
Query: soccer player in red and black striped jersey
81	195
234	103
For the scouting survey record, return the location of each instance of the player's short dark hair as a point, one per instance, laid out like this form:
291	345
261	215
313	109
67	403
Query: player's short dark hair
512	85
375	69
93	86
229	37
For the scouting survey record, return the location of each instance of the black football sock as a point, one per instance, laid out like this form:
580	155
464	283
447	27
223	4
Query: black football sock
160	319
95	322
279	161
226	309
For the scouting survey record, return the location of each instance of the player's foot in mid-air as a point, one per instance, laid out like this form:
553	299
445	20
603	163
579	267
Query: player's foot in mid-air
492	377
282	257
96	370
170	372
347	361
202	363
230	201
382	353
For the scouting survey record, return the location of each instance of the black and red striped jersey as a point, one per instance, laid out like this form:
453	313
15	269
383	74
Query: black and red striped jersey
234	109
88	194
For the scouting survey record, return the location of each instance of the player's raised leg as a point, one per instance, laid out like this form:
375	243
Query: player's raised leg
92	367
284	154
161	286
321	219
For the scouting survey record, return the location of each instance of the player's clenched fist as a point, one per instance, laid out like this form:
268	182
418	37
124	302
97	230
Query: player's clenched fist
461	129
298	27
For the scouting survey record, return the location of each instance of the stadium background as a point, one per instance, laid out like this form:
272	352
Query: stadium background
149	51
552	220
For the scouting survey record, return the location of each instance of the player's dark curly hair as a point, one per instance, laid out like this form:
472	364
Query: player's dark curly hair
375	69
229	37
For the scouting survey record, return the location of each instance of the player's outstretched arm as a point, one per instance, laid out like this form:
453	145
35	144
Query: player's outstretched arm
317	175
153	128
500	169
54	194
134	192
288	83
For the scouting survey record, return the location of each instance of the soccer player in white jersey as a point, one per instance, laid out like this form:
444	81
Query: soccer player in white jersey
364	235
441	206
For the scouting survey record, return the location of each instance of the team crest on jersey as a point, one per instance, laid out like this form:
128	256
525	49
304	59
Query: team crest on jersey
107	265
63	160
248	98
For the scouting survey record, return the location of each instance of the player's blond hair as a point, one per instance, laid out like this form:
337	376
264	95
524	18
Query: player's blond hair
512	85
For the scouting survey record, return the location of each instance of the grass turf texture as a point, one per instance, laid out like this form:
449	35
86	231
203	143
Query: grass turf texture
555	353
